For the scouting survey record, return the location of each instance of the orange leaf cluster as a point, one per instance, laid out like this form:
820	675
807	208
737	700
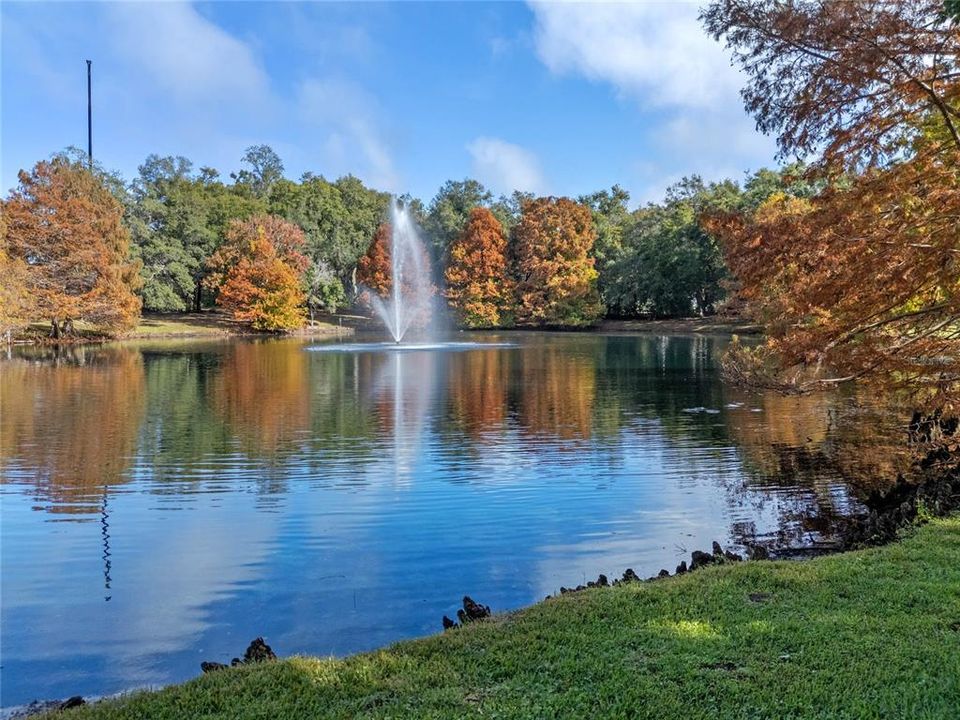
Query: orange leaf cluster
854	81
863	280
556	278
478	286
258	273
64	235
374	269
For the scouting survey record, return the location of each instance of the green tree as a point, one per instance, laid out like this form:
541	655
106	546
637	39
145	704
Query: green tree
162	220
951	8
448	213
264	168
322	289
509	209
365	210
668	264
337	218
611	218
177	221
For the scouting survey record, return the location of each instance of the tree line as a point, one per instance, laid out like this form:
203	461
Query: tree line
81	243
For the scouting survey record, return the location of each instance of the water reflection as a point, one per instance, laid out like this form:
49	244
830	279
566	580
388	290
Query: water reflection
229	489
70	424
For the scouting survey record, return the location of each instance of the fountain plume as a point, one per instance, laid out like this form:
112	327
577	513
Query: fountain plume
410	300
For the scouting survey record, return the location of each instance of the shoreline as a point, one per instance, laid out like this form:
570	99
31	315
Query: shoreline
180	326
713	324
763	637
895	518
212	324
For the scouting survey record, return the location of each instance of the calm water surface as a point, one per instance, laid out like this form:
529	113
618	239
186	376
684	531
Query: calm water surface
164	503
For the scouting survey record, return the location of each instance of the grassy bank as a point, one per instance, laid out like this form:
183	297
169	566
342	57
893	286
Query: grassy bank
867	634
157	326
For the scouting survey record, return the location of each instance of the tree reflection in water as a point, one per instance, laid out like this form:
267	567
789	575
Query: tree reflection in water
219	478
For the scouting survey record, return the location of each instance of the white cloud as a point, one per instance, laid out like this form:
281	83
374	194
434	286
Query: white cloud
657	55
505	167
185	54
349	117
654	51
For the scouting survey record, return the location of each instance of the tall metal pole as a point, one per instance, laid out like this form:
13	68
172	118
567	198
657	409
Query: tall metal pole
89	117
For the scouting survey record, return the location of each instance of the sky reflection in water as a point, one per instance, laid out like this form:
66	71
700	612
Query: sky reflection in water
164	503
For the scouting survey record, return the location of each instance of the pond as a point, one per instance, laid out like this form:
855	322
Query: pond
164	503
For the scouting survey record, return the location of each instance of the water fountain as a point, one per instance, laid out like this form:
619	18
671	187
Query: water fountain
411	294
410	304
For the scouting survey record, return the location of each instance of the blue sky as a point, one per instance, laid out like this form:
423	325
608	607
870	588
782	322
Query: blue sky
554	98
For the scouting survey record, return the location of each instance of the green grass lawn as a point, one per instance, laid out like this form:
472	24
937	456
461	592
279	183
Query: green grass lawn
867	634
179	325
173	324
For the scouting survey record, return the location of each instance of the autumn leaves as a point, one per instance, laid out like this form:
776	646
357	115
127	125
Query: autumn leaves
861	280
258	273
64	253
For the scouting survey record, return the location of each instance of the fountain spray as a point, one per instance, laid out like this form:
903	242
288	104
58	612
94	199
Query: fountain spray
411	288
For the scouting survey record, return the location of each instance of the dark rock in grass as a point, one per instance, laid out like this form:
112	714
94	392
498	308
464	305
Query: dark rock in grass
72	702
448	623
472	611
258	651
758	597
758	552
630	576
602	581
682	567
664	573
700	559
907	511
717	550
732	556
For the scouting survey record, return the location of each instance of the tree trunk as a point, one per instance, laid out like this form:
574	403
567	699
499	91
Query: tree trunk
196	297
54	329
68	327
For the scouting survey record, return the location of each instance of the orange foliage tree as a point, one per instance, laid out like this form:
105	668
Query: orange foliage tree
64	234
478	286
258	273
373	269
16	304
556	279
862	281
